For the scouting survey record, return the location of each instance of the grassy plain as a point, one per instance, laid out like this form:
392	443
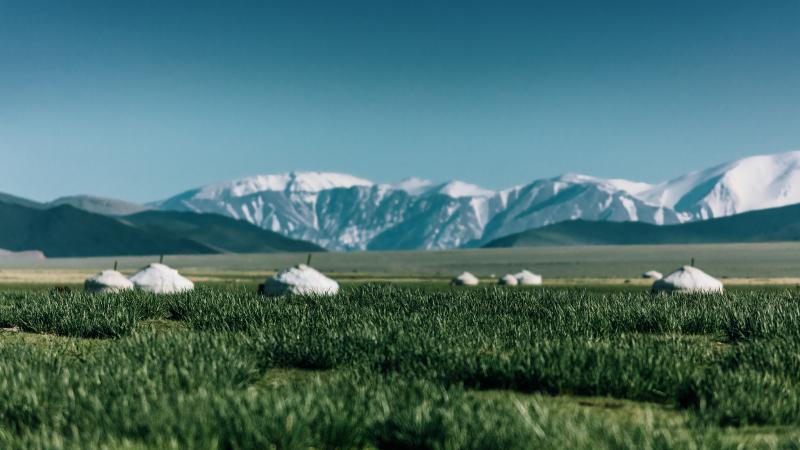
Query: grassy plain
401	360
772	263
386	366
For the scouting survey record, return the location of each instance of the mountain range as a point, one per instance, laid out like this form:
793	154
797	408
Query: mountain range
65	231
767	225
344	212
90	203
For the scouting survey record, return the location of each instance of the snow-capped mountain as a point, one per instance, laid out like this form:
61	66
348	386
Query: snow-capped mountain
756	182
571	197
296	182
459	189
343	212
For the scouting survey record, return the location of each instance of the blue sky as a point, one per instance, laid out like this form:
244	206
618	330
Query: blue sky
142	99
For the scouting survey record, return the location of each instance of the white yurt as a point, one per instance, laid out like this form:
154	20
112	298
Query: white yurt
508	280
107	281
300	280
652	275
465	279
688	279
526	278
160	279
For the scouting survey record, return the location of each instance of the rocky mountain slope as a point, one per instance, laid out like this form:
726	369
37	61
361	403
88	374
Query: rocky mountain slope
345	212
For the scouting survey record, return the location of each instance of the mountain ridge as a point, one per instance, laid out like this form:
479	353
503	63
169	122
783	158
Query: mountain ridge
765	225
99	205
64	231
343	212
67	231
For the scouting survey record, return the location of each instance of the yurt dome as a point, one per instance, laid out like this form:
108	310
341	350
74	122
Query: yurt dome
465	279
160	279
688	279
508	280
652	275
107	281
526	278
300	280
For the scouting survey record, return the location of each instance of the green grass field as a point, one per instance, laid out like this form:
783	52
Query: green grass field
386	366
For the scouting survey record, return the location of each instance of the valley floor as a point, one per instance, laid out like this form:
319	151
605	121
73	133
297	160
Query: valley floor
734	264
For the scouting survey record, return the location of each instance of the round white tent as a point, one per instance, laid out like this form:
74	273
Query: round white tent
300	280
107	281
526	278
508	280
465	279
160	279
652	275
688	279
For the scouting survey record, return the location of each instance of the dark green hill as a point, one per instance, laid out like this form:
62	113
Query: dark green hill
66	231
14	200
768	225
218	232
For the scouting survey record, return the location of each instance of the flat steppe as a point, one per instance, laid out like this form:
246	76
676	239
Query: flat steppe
772	263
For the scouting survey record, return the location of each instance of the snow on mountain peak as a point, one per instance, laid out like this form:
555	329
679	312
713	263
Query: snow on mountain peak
285	182
755	182
571	177
412	185
348	219
615	184
458	189
631	187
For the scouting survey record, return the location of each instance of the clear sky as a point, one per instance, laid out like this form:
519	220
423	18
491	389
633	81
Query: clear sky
143	99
